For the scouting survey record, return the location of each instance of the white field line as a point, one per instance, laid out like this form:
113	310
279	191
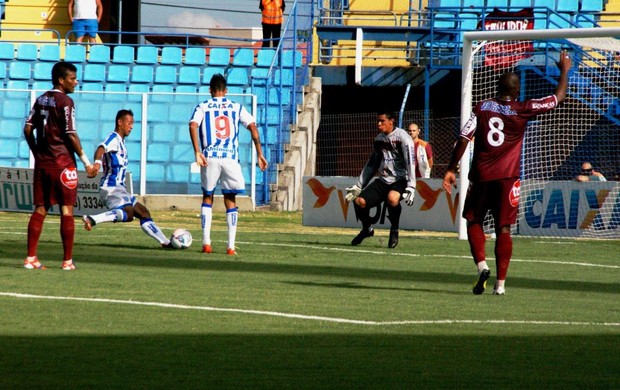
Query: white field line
306	317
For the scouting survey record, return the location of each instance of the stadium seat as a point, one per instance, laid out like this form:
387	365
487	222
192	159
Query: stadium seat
473	4
92	87
42	71
118	73
2	71
15	109
209	72
177	173
75	53
171	55
259	76
520	4
203	92
287	75
501	4
158	112
189	75
235	89
24	150
49	53
160	132
137	88
237	76
94	72
18	85
280	96
27	52
469	22
243	57
165	74
560	20
180	112
449	3
219	56
195	56
117	91
571	6
41	86
142	74
591	5
183	151
12	128
9	149
89	132
157	152
155	172
181	94
147	55
540	4
292	59
444	20
162	93
99	54
19	70
265	57
122	54
7	51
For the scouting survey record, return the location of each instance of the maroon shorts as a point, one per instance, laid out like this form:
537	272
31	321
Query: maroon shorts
55	186
499	196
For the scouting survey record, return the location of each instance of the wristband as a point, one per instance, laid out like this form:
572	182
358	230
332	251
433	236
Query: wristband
98	162
85	160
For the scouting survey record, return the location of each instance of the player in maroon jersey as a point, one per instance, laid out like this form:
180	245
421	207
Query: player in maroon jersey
497	127
53	140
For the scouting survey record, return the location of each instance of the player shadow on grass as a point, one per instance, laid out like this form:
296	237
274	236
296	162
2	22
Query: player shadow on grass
357	286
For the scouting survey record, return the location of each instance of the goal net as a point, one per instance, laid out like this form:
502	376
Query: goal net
585	128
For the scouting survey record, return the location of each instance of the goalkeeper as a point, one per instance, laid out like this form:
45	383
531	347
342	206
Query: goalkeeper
393	160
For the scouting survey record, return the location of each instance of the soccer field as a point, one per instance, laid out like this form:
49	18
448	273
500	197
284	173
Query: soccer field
299	307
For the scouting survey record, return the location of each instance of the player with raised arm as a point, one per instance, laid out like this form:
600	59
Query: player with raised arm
214	131
123	206
497	127
53	140
393	160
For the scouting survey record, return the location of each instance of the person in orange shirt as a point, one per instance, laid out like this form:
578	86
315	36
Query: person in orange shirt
272	11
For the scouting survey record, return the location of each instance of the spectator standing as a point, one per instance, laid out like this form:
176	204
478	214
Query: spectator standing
123	206
497	127
52	137
214	131
85	16
392	159
272	15
589	174
423	153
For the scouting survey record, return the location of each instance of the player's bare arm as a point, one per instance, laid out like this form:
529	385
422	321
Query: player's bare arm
262	161
97	164
449	179
29	135
564	65
77	146
193	134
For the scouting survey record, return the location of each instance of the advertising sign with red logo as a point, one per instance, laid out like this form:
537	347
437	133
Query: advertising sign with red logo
507	53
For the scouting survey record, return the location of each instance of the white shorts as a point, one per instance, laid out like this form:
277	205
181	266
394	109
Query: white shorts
227	171
116	197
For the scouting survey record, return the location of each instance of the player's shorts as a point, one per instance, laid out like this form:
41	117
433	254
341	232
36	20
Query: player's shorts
224	170
377	191
55	186
83	27
499	196
116	197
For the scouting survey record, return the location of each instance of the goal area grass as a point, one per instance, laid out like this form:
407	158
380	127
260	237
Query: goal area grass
299	307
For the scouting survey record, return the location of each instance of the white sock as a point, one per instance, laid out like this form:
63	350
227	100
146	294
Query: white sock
149	227
206	216
116	215
499	284
482	266
231	221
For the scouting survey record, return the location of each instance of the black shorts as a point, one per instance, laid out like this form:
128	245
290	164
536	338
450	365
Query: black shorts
377	191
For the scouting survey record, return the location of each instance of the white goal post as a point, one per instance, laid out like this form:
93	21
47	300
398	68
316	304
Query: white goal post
585	128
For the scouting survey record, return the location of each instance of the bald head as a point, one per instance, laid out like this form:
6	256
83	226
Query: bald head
508	86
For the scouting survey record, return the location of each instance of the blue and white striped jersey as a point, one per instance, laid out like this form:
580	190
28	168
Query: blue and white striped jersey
115	161
218	119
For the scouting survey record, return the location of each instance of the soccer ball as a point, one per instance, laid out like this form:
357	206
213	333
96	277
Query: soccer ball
181	239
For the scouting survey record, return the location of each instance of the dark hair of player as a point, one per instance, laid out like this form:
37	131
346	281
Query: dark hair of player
508	85
388	114
121	114
218	82
60	70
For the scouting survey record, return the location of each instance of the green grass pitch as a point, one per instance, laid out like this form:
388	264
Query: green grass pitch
300	308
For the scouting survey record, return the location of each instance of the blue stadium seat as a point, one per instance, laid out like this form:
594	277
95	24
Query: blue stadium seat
520	4
237	76
235	89
243	57
158	112
544	4
162	93
280	96
160	132
591	5
9	149
171	55
469	21
473	4
219	56
189	75
20	71
444	20
18	84
177	173
142	74
137	88
155	172
27	52
42	86
89	132
560	20
180	112
116	88
165	74
7	51
583	22
157	152
182	90
501	4
15	109
209	72
287	75
94	72
449	3
203	92
567	6
42	71
75	53
49	53
195	56
259	76
107	111
147	55
122	54
24	150
183	152
2	71
264	57
92	87
292	59
118	73
99	54
12	128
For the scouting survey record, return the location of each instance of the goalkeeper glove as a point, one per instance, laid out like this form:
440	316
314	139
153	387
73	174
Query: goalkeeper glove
408	195
352	193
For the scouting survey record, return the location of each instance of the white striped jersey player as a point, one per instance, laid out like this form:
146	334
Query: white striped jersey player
218	119
115	161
